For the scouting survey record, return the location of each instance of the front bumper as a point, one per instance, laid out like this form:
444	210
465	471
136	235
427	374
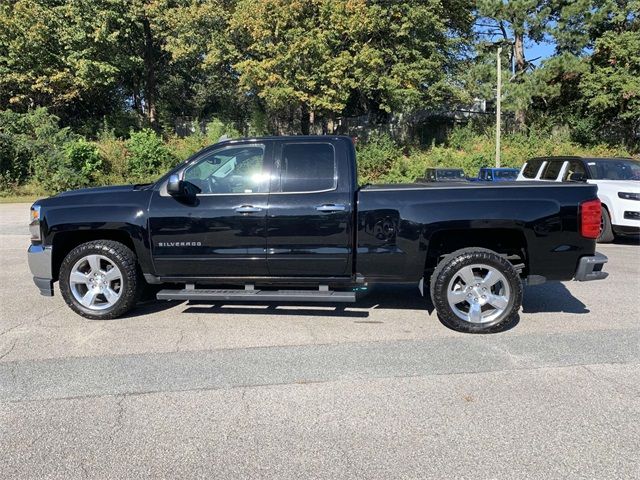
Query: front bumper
626	230
40	258
590	268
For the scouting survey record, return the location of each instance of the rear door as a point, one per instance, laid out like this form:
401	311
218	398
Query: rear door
309	218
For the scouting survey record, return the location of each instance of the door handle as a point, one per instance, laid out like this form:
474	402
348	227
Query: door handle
330	207
248	209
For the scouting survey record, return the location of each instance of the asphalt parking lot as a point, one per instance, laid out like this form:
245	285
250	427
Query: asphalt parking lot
380	389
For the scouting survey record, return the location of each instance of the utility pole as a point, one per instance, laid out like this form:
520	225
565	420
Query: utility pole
498	106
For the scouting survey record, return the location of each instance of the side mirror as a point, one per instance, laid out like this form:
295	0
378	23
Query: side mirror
175	186
577	177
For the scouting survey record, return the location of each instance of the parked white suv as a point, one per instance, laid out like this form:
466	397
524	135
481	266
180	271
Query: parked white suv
618	181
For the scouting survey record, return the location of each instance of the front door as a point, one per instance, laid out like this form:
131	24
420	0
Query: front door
310	212
222	231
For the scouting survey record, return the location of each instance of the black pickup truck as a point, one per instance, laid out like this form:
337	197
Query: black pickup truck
283	219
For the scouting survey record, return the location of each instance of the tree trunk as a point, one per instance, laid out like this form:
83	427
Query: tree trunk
304	119
312	123
521	66
150	75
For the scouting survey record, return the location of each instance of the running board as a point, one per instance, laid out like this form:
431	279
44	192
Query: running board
257	295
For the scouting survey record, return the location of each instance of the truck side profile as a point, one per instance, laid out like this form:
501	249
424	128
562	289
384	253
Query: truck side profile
283	219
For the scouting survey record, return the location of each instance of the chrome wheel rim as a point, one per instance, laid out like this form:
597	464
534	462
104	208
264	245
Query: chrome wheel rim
96	282
478	294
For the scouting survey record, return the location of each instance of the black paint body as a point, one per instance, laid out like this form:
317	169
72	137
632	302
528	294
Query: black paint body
383	234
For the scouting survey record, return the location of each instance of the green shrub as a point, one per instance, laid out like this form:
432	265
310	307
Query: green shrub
14	163
75	164
113	153
376	157
83	157
148	155
34	145
182	148
217	128
380	160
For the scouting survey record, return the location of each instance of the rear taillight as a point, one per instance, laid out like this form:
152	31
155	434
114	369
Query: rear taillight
590	218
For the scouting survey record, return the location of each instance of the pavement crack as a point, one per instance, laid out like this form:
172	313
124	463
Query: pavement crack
15	340
12	328
120	413
619	387
179	341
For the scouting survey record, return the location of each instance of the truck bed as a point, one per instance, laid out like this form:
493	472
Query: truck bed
398	223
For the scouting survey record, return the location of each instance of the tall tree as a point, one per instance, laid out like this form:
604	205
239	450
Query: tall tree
51	56
319	54
592	83
100	55
515	21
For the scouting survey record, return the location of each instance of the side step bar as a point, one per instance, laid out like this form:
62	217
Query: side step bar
249	295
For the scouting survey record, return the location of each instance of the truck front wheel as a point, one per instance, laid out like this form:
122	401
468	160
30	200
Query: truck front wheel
606	230
476	290
100	280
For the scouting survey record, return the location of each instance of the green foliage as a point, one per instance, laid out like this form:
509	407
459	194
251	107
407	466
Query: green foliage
467	149
182	148
32	144
113	153
75	165
77	71
217	128
148	155
611	89
83	157
316	55
375	157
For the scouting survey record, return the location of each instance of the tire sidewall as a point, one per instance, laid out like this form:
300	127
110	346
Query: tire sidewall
129	278
606	235
452	266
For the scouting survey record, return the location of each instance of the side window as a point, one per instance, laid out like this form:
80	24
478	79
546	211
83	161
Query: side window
307	167
575	166
552	170
231	170
531	170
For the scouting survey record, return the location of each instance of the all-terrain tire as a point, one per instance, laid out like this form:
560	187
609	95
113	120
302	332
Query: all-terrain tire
450	267
123	258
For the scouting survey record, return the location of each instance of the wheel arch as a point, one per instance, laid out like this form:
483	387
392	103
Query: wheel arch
510	242
64	242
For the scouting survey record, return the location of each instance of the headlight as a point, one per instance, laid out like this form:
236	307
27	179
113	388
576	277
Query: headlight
34	224
629	195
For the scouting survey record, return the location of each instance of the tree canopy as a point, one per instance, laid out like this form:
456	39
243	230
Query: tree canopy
292	66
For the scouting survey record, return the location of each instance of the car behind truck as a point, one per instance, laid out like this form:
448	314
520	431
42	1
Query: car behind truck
283	219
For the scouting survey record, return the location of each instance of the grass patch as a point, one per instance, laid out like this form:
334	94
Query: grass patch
18	199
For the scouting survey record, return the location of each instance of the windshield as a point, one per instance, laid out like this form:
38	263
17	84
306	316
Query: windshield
450	174
506	174
614	169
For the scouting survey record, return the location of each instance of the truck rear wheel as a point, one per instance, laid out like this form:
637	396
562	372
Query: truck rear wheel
476	290
100	280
